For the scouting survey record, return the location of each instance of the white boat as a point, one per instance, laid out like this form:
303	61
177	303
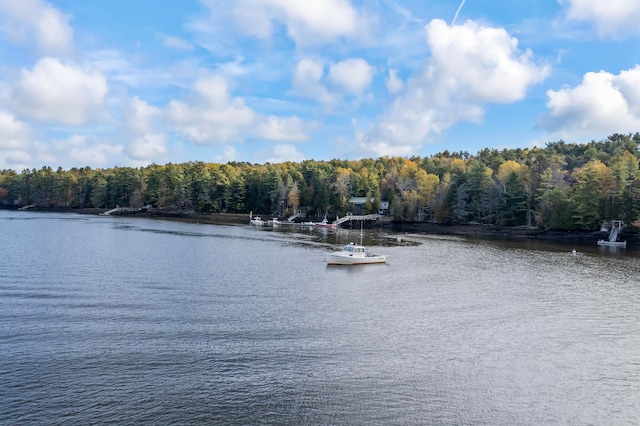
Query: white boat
325	224
255	220
616	230
353	254
274	222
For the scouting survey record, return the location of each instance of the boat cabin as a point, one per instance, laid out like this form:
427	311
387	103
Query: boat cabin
353	249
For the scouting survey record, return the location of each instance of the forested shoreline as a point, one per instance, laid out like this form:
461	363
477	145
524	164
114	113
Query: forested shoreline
565	186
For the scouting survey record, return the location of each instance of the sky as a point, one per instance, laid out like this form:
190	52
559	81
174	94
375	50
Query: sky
130	83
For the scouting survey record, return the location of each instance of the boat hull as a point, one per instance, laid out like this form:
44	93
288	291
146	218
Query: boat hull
330	226
342	259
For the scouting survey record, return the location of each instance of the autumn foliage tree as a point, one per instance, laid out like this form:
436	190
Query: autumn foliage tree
562	185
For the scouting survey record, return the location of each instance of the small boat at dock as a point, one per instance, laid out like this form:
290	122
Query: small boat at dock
325	224
255	220
274	222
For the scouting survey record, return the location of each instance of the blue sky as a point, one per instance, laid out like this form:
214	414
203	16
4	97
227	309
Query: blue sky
129	83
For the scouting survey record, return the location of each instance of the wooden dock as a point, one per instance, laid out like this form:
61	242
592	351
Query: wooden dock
352	217
123	210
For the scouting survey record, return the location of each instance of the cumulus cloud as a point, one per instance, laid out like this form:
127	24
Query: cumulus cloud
211	116
470	65
352	75
612	18
141	125
229	153
97	155
147	147
76	151
37	22
307	82
282	129
370	145
14	134
284	153
307	23
601	104
480	64
379	148
140	117
59	92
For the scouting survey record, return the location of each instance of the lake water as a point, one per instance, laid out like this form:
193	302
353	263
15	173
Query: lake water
131	321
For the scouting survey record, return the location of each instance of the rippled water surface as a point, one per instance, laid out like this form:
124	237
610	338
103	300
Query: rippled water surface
133	321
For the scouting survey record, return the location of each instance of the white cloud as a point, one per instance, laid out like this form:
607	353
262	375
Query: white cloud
284	153
212	115
628	83
100	155
324	20
14	134
282	129
141	117
141	125
307	23
35	21
416	115
74	151
229	153
612	18
366	145
148	147
470	65
58	92
16	160
307	82
178	43
480	64
393	82
601	104
381	149
367	148
353	75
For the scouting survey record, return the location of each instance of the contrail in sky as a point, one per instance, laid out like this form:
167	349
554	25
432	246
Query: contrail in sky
457	11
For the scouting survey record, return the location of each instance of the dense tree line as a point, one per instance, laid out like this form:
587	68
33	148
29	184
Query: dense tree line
563	185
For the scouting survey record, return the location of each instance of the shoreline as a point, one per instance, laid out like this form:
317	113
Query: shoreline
489	232
507	233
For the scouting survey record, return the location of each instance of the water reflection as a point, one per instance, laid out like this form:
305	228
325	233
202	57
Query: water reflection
162	322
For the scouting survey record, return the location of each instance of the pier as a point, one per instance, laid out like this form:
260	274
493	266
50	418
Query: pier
123	210
351	217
